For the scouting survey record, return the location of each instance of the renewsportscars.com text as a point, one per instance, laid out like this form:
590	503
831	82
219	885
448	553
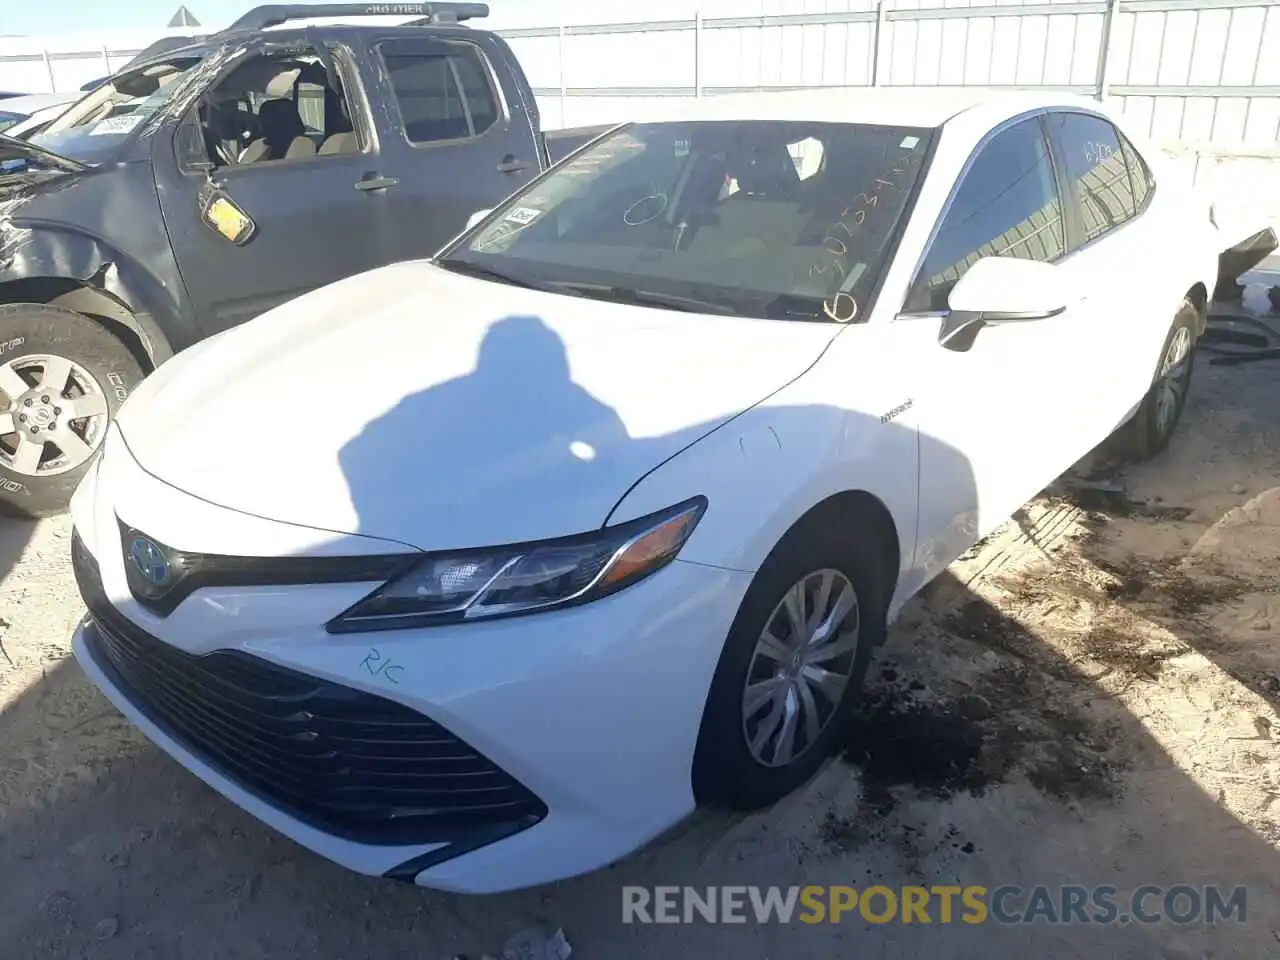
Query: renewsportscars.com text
945	904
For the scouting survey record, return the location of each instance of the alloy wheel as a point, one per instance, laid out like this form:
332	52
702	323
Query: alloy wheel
1171	385
53	415
800	667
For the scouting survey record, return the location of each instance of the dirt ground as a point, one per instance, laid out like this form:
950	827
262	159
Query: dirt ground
1089	697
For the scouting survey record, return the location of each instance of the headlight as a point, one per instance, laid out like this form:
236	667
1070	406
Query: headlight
503	581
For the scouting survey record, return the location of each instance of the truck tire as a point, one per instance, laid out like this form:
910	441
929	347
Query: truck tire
62	380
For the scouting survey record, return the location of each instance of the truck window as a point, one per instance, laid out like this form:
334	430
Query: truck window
442	96
100	123
279	107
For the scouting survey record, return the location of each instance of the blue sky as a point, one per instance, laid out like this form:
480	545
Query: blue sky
63	16
60	17
54	17
45	17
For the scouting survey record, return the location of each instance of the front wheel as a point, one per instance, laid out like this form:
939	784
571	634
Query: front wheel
62	379
791	669
1152	427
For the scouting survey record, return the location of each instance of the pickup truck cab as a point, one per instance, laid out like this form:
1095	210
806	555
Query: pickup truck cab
208	183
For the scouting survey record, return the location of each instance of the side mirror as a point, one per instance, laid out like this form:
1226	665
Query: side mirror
999	290
477	217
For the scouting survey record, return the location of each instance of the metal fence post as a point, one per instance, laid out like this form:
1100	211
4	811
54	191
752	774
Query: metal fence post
1104	50
697	54
876	79
564	89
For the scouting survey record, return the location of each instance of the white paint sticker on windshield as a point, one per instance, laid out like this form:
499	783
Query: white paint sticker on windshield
909	143
523	215
115	125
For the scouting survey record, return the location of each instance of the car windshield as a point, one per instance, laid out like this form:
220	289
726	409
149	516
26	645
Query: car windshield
778	219
100	122
8	119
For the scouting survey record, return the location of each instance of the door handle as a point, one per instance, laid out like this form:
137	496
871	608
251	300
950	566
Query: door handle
511	164
376	183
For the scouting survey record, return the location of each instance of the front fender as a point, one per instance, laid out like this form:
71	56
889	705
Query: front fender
144	304
762	471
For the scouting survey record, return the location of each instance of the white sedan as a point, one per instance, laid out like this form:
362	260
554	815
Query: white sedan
22	115
483	571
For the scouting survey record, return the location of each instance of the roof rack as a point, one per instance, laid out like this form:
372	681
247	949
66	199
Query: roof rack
274	14
159	48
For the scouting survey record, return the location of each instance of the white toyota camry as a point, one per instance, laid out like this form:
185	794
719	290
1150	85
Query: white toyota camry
483	571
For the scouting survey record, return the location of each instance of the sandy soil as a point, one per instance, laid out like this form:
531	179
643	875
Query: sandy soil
1089	697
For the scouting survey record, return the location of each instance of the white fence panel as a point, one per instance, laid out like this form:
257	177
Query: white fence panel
1188	71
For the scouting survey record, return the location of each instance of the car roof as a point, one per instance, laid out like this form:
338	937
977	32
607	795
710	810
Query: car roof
901	106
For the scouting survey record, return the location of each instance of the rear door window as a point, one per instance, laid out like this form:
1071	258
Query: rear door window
443	90
1139	173
1006	206
1094	160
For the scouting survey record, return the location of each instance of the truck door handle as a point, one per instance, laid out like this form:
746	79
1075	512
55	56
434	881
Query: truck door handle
512	164
376	183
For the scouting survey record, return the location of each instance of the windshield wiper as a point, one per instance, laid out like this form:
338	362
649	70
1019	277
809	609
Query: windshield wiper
17	156
645	298
489	273
597	291
793	307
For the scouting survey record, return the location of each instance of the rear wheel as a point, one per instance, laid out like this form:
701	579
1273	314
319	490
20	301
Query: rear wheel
62	379
791	669
1151	428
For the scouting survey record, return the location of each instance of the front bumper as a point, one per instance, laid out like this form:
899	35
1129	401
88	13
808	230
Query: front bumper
586	717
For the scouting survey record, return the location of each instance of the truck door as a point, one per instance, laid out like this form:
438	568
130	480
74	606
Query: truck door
291	153
455	138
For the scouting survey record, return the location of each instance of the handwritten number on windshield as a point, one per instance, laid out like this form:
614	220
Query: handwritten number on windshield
841	306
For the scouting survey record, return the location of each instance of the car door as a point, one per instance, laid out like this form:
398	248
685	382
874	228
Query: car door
1001	404
451	138
1129	299
313	222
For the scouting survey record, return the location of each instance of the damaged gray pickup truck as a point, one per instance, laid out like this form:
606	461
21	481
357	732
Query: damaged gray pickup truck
203	185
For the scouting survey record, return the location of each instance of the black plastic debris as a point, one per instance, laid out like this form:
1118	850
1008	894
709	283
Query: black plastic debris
1232	346
1273	295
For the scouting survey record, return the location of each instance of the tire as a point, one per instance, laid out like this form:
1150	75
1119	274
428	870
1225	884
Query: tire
726	772
1149	431
38	341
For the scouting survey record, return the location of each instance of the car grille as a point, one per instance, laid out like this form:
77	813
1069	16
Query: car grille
344	761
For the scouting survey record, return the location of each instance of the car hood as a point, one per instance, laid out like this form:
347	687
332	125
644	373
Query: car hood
26	154
416	405
23	165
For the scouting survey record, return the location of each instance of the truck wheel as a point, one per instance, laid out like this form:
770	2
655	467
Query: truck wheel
62	379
